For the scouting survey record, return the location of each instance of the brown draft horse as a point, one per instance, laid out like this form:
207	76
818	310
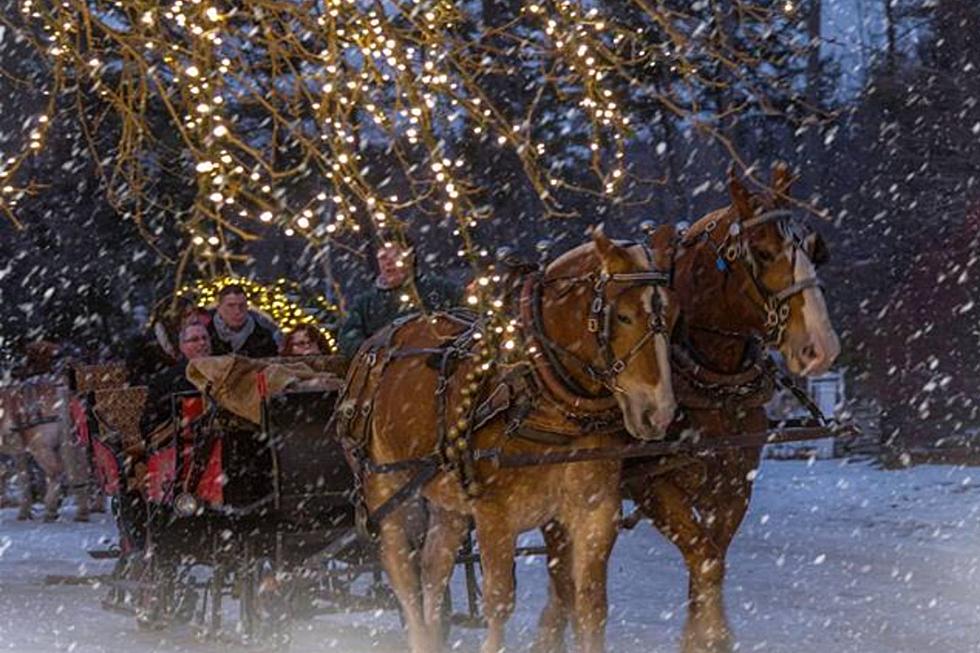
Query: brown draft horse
744	279
393	397
35	423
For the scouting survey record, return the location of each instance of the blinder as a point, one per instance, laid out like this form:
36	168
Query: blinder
602	312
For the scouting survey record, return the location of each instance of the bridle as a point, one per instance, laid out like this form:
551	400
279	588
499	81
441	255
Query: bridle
735	249
602	310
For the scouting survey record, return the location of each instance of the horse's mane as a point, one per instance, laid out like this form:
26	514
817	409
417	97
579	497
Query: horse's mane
585	257
701	225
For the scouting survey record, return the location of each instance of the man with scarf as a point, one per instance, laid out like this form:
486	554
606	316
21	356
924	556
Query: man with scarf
237	330
392	296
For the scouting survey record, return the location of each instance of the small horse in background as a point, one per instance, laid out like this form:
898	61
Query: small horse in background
598	320
744	279
35	423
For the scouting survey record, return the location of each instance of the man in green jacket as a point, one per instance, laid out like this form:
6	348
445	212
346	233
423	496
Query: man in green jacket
392	296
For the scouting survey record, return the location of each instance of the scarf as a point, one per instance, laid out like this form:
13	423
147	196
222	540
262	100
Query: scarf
234	338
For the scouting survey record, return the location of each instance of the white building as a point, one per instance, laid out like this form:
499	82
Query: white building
828	392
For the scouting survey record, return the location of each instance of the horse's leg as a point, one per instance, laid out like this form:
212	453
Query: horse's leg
554	617
442	541
592	526
5	475
706	629
722	507
498	541
52	497
26	492
77	471
49	460
731	501
397	558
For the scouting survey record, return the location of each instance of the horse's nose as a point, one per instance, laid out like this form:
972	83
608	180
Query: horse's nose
660	418
817	356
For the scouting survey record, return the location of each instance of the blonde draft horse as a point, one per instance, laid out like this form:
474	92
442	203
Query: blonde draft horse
35	423
745	280
403	424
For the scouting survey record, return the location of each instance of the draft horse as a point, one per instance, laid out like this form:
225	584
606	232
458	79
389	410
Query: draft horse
744	280
34	423
427	395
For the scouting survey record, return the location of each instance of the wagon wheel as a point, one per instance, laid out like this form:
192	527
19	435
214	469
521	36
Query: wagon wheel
304	590
265	603
156	597
128	568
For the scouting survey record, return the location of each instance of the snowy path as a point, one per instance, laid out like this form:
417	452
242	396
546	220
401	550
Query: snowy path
831	558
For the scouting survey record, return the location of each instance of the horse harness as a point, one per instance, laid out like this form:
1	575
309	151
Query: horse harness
27	399
734	248
513	393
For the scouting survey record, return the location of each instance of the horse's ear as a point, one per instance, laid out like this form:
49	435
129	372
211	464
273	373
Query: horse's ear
816	248
614	258
740	196
782	179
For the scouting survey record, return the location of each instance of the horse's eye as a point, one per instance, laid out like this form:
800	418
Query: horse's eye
765	257
624	319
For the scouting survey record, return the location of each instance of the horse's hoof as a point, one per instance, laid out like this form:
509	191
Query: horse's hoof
24	516
50	518
549	646
81	518
723	645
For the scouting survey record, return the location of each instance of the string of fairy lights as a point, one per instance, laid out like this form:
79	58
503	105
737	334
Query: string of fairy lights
280	109
282	301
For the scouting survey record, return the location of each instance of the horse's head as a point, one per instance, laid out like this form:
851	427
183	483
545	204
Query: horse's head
763	259
628	317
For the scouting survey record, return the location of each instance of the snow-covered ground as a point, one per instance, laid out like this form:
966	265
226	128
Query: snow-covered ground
832	557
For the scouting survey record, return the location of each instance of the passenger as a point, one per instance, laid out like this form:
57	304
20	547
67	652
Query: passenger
152	351
196	315
390	297
237	330
305	340
194	343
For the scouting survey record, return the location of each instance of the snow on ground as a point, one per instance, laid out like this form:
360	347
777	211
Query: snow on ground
832	556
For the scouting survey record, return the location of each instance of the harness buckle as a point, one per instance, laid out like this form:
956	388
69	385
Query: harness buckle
656	323
372	358
593	324
732	251
597	305
618	366
772	317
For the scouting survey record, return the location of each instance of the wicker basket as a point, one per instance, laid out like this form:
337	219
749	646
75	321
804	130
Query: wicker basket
119	411
89	378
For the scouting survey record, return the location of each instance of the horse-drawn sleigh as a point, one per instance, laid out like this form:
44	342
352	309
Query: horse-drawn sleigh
242	495
615	336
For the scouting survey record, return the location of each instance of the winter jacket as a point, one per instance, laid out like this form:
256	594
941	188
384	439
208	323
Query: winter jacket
160	388
373	309
261	343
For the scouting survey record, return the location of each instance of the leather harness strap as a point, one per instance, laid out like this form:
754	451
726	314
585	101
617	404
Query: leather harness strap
733	249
